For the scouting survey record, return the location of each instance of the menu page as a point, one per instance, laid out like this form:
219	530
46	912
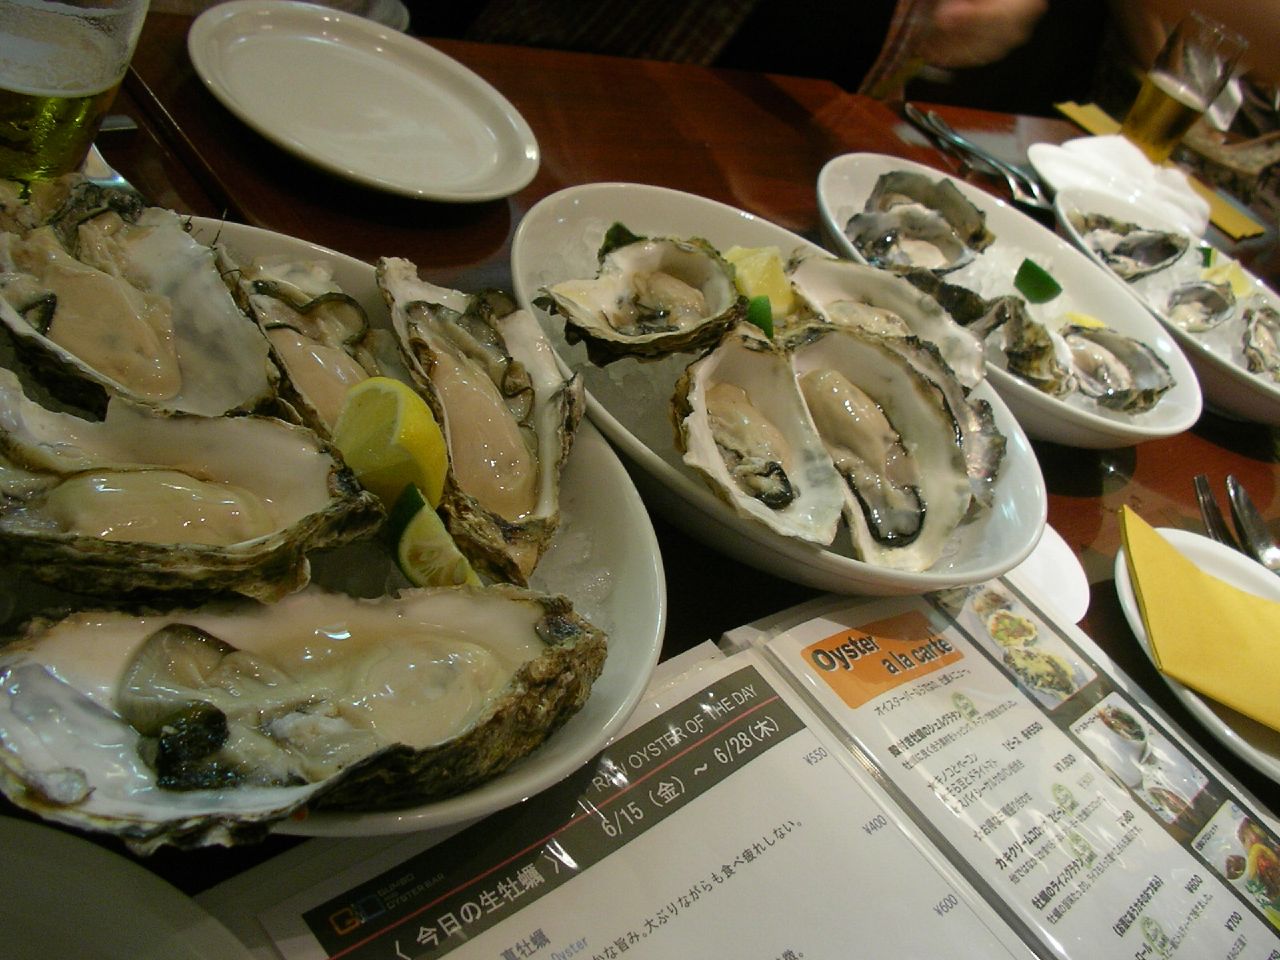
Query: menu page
725	822
1012	745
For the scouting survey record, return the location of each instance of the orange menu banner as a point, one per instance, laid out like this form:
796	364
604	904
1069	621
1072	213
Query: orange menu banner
861	664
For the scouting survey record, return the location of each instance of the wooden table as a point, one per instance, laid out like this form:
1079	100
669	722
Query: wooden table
753	141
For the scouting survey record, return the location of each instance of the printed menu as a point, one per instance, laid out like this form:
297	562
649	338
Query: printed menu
954	773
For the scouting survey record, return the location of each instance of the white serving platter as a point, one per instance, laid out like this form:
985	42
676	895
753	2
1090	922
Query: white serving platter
1216	356
363	101
629	401
843	187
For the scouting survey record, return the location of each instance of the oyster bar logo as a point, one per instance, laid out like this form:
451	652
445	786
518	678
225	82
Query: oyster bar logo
859	665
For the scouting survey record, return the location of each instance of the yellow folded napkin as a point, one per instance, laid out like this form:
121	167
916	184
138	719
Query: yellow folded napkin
1226	216
1206	634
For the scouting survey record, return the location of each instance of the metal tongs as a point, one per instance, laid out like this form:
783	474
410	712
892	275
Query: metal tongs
1024	187
1255	540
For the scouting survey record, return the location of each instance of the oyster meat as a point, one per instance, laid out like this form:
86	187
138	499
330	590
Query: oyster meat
108	306
1200	305
139	502
651	296
742	424
911	220
1131	251
1117	371
892	438
320	336
1262	338
205	726
507	412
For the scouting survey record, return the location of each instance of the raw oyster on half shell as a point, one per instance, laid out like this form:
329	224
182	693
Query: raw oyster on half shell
1130	250
205	726
144	503
913	220
742	424
1201	305
1261	341
651	296
507	412
100	306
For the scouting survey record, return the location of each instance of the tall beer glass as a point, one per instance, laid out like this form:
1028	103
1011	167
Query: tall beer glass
61	62
1189	72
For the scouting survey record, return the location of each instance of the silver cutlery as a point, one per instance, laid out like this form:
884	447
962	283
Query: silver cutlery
1024	188
1254	540
1254	535
96	170
1215	525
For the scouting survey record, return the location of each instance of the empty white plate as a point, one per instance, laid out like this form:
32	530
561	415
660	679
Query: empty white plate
363	101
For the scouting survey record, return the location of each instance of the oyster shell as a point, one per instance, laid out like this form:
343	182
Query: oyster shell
507	412
912	220
1261	340
206	726
140	503
840	291
1117	371
892	438
1200	305
651	296
320	336
742	424
133	308
1131	251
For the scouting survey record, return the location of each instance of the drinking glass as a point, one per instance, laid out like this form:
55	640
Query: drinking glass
1189	72
61	62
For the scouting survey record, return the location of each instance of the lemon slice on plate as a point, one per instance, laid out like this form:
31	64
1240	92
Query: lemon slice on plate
388	436
759	272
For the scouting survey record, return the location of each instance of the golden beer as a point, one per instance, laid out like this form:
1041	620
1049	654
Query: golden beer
60	67
1162	113
43	136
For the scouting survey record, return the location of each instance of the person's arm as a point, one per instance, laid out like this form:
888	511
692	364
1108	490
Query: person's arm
972	33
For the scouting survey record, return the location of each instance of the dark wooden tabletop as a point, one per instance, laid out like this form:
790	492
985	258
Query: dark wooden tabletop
754	141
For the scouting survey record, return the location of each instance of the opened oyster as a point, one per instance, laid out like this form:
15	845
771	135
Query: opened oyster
652	296
507	412
834	419
1201	305
1131	251
1262	338
913	220
320	336
1117	371
106	306
741	423
139	502
840	291
206	726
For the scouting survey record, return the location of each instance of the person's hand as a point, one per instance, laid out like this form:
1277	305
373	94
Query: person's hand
971	33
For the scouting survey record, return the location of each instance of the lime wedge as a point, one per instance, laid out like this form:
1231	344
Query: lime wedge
1035	283
424	550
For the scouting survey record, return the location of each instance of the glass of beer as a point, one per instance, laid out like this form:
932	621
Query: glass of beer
1189	72
61	62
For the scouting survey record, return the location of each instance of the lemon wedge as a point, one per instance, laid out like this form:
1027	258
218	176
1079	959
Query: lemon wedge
1075	318
1229	272
389	437
424	550
759	273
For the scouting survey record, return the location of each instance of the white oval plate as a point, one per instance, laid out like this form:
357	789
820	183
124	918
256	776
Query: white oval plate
843	186
1225	381
63	896
604	557
1255	743
558	239
1111	164
362	100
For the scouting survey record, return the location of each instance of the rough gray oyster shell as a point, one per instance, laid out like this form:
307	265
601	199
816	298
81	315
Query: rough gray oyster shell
1131	251
911	220
250	713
